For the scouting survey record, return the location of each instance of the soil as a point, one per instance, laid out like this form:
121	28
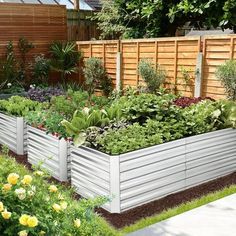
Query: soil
131	216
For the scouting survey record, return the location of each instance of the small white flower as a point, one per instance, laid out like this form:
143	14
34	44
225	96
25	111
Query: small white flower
9	85
32	86
47	198
21	193
31	193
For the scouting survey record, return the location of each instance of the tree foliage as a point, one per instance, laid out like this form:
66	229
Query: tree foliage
151	18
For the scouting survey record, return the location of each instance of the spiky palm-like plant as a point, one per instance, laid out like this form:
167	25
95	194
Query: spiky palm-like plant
65	58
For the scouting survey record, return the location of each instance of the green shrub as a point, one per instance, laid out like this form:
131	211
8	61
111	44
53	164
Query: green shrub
24	47
8	67
227	75
41	68
153	78
30	205
96	76
20	106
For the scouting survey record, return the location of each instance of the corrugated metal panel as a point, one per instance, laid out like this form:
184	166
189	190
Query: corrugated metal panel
144	177
90	172
45	148
151	196
210	155
8	133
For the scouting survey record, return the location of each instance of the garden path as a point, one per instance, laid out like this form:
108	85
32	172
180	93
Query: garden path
214	219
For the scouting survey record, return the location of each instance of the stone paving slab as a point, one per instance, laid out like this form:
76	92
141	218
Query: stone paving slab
214	219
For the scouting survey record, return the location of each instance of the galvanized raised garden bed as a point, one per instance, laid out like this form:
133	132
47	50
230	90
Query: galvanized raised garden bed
145	175
49	150
13	133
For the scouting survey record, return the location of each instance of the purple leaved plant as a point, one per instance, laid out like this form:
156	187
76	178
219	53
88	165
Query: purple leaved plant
186	101
44	94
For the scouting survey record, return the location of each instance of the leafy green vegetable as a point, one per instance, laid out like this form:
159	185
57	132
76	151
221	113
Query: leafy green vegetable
86	118
135	136
46	120
138	108
20	106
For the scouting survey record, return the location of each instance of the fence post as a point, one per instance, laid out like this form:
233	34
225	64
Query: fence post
118	71
115	183
198	75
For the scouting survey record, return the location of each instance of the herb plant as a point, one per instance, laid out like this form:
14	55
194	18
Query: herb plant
154	78
96	76
136	136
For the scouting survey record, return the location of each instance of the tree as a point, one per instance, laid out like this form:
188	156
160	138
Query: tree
109	21
152	18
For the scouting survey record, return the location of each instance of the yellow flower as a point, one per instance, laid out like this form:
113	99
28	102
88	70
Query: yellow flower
77	223
53	188
56	207
63	205
32	221
23	220
1	206
13	178
27	180
23	233
6	187
6	214
39	173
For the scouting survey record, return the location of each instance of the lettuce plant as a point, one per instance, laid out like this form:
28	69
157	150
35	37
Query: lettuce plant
20	106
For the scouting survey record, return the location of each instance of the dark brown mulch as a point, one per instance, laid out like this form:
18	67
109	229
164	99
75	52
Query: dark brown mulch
131	216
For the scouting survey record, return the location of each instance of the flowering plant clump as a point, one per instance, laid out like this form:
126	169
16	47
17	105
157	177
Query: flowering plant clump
31	206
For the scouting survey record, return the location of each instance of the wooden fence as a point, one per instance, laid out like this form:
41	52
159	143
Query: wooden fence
177	55
79	27
40	24
216	50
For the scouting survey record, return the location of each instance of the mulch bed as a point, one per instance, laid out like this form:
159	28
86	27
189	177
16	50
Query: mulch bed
131	216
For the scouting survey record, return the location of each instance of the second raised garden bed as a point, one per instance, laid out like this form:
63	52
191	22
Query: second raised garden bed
49	150
145	175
